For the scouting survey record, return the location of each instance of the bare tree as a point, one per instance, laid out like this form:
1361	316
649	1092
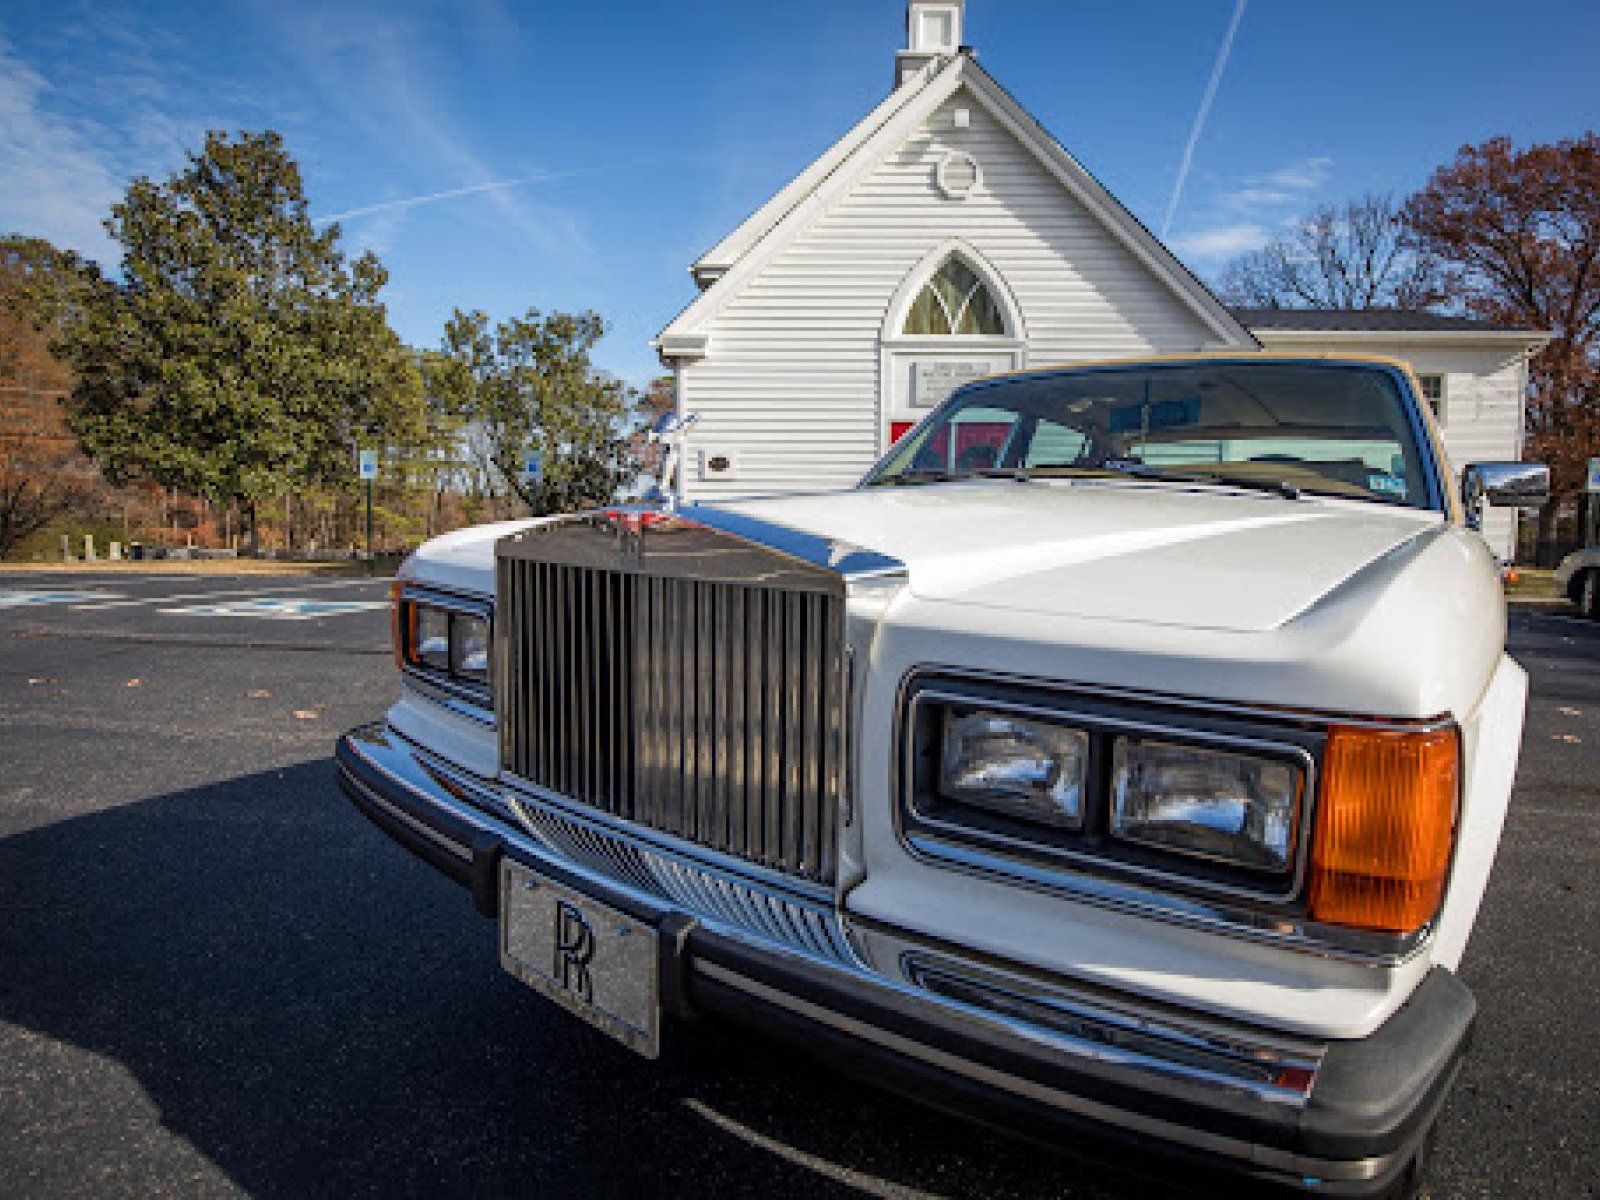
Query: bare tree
1352	256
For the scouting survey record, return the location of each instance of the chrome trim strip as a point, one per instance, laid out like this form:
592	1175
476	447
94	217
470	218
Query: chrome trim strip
1306	937
448	845
853	563
1288	1072
1260	925
1310	718
1264	1156
429	689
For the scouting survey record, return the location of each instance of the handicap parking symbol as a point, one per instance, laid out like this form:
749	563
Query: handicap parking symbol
290	609
28	597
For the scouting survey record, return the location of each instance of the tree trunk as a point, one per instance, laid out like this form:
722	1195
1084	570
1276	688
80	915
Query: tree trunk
1544	552
252	542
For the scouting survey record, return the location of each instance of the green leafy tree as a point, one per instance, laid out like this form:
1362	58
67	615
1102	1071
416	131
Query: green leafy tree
527	386
242	356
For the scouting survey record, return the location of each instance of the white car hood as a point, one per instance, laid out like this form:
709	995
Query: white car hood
1119	551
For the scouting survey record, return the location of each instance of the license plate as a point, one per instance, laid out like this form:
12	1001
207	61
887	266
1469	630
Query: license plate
586	956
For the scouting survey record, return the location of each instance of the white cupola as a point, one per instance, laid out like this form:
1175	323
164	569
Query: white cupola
933	30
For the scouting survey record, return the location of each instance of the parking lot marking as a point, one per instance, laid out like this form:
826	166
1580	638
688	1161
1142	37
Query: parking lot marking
295	609
27	597
1570	620
118	602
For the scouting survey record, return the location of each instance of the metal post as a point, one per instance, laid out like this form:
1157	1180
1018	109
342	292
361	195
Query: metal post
370	567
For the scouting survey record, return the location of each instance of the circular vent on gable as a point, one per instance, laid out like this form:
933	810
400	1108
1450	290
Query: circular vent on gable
957	175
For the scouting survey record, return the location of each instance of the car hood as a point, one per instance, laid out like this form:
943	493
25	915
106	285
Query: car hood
1115	551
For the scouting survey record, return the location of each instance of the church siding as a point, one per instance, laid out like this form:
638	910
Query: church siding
790	387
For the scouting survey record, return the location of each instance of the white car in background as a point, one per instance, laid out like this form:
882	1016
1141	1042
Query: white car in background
1578	579
1123	761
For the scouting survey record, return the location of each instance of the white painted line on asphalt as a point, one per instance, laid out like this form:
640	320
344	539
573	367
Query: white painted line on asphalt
253	591
1571	620
27	597
295	609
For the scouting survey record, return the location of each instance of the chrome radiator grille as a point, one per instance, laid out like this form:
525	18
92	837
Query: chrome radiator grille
708	708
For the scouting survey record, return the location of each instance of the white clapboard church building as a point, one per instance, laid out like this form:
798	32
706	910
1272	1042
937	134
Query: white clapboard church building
948	236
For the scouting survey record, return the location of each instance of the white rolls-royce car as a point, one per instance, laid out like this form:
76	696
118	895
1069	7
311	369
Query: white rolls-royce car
1122	762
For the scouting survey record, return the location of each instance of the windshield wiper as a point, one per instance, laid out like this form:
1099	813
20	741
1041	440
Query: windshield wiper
1254	483
1020	474
1111	469
922	475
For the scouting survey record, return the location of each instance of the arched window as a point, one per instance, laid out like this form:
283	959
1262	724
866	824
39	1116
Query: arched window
955	301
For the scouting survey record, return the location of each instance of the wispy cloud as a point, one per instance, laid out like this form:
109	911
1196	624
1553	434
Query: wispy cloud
56	184
100	96
1302	176
1222	242
371	65
1202	114
1244	215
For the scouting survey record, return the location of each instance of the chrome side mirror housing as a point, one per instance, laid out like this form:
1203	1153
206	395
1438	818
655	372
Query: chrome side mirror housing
1503	485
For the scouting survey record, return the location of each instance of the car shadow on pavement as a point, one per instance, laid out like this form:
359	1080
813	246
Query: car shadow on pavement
315	1013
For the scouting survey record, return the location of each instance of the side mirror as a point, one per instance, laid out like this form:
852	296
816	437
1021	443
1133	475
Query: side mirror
1503	485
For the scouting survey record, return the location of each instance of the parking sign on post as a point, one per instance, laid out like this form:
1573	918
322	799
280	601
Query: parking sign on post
369	472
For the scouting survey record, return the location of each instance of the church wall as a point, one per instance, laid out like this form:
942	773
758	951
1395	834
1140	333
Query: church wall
789	393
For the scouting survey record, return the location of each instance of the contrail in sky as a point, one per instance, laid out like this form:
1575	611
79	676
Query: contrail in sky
1204	112
413	201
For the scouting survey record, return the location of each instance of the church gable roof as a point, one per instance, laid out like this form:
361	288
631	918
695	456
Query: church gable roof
723	270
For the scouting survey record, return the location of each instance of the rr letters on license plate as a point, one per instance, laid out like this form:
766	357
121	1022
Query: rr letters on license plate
585	955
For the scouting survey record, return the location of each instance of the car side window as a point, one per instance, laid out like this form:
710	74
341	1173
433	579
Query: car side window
976	439
1053	445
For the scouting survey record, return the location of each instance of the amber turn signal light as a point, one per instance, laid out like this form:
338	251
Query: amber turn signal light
1385	827
398	613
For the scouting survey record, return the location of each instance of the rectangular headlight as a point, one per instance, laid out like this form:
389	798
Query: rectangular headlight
430	641
469	648
1237	808
443	641
1014	766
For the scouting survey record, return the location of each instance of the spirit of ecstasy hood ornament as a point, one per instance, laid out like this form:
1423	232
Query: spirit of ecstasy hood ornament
669	431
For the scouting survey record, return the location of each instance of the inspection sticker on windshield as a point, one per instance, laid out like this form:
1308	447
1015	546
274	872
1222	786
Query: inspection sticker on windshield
279	610
27	597
1388	485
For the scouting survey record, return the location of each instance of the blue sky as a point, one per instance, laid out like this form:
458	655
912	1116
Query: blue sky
504	155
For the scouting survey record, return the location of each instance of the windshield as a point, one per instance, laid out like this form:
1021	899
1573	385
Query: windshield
1290	427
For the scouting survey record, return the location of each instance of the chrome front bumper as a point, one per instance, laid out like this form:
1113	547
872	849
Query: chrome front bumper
992	1043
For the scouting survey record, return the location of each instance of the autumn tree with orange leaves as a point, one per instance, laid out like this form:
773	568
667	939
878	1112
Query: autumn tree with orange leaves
42	472
1521	228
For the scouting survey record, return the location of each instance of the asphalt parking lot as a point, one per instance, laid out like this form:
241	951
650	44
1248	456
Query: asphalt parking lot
216	978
